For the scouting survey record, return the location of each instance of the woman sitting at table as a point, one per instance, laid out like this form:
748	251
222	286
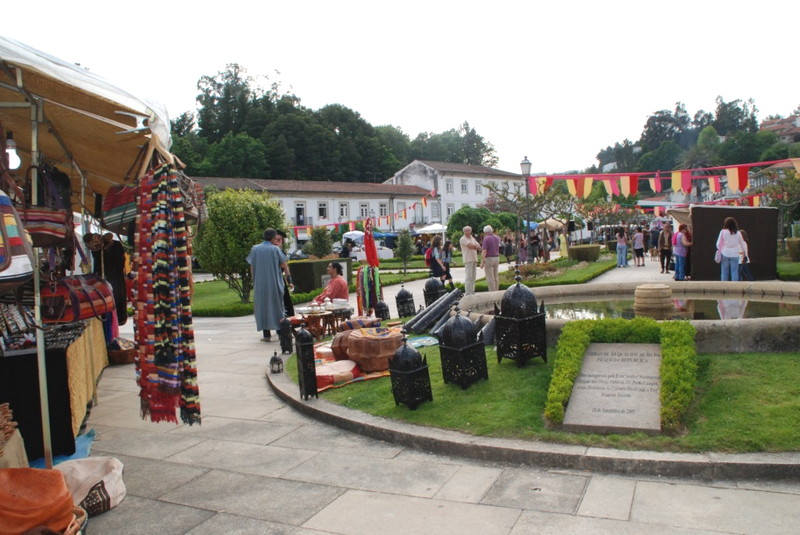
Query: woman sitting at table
336	288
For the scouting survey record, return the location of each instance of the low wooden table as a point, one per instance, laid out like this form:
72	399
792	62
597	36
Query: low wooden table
318	324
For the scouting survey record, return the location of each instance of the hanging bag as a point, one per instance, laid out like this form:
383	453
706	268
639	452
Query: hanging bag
74	298
16	254
119	208
49	223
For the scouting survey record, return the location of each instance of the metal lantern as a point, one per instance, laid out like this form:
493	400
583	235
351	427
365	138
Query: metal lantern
276	364
405	303
433	290
381	311
520	331
411	382
463	354
285	336
306	370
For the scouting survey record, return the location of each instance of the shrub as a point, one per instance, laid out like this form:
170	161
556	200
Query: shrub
793	246
584	253
678	361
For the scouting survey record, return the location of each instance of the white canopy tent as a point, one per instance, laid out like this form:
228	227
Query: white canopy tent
65	115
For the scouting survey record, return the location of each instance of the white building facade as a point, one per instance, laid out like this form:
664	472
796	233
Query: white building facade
457	185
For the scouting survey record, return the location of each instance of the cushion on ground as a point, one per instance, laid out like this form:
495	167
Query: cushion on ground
374	347
336	372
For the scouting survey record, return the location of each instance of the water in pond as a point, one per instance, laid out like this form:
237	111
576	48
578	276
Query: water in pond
692	309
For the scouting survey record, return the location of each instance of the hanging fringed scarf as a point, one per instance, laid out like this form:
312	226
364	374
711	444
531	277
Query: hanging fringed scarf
165	364
368	289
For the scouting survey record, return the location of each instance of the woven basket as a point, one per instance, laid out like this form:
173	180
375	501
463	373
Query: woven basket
121	356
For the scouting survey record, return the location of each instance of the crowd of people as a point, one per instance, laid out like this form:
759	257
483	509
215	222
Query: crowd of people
272	281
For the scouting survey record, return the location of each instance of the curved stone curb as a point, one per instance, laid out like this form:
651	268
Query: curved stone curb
708	466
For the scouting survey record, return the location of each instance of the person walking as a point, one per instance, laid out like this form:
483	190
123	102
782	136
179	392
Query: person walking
469	253
447	260
744	260
490	261
523	250
437	265
730	243
508	249
267	263
665	247
622	248
288	306
638	247
533	246
679	251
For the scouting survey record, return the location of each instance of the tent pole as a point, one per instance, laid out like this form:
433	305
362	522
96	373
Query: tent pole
41	351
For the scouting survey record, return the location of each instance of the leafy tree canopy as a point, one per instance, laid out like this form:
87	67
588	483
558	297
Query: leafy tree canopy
236	222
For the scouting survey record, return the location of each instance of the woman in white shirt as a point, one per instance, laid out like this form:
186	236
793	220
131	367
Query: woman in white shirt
730	243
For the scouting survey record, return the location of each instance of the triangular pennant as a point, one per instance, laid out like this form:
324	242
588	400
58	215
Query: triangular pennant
686	182
625	185
608	185
757	200
572	186
587	186
657	211
713	184
676	181
425	201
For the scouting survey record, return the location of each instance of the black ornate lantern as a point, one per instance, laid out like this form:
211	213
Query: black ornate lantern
276	364
381	311
285	336
405	303
520	331
411	382
306	370
433	290
463	355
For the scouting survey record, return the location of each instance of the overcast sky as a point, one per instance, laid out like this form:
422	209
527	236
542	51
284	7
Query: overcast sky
556	82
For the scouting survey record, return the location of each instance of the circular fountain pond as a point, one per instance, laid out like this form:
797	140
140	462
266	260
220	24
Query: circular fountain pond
730	317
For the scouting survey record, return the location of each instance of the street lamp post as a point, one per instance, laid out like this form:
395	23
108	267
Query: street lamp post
525	167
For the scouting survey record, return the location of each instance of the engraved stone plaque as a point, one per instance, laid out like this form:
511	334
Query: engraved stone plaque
617	390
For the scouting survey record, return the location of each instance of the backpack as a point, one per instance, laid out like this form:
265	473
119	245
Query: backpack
429	256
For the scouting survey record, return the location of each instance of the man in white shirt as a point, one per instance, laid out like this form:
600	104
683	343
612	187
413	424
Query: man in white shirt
469	252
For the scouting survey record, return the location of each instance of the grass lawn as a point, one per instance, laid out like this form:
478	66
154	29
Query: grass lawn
744	403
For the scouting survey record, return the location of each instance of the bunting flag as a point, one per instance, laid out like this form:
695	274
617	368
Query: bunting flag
657	211
756	200
425	201
655	183
609	185
352	225
675	182
629	185
738	178
686	181
533	186
796	163
571	186
713	184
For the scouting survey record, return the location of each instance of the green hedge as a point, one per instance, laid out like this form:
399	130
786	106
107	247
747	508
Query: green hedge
584	253
678	361
793	248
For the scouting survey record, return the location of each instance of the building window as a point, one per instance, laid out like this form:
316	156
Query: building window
383	209
344	211
451	208
464	186
448	184
322	210
363	210
478	188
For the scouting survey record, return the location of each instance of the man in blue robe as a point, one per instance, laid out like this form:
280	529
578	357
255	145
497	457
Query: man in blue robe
267	264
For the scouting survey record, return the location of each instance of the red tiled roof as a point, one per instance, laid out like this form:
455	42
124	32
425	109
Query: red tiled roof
285	187
467	169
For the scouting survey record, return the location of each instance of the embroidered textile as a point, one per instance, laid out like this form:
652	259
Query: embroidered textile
165	362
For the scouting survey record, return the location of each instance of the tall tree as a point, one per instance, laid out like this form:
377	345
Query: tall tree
735	116
224	101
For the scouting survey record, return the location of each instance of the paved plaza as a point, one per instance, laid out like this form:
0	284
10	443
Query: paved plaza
257	465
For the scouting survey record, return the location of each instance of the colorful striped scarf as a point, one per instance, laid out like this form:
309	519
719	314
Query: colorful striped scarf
165	364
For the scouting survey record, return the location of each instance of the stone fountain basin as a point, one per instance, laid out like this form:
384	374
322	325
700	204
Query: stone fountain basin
718	336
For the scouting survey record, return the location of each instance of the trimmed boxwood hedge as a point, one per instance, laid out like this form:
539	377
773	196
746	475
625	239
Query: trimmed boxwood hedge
678	361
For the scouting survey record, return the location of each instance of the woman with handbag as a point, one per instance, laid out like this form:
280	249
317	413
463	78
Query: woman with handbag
730	243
